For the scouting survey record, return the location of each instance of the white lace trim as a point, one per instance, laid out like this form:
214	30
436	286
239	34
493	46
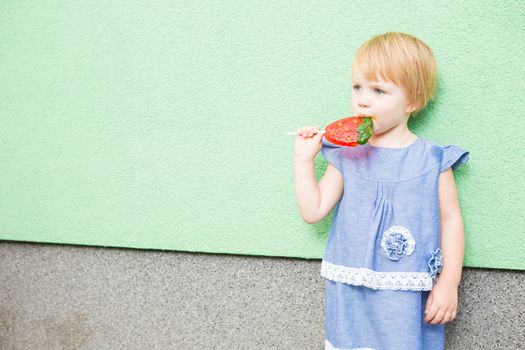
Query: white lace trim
376	279
329	346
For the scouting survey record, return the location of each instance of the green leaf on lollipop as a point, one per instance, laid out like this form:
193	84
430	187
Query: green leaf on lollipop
365	130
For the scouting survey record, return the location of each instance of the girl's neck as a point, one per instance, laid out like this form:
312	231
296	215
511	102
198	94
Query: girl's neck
393	138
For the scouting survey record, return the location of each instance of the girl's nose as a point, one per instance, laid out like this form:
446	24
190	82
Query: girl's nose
363	101
363	104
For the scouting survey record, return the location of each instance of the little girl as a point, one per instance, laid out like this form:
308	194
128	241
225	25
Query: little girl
397	222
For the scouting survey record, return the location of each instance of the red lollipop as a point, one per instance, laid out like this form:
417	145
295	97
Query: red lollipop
350	131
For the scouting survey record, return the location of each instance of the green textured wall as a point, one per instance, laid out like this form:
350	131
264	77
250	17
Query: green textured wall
162	124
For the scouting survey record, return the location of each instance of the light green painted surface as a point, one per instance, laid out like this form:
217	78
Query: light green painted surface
162	124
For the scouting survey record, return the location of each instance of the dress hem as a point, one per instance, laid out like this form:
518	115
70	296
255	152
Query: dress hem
329	346
360	276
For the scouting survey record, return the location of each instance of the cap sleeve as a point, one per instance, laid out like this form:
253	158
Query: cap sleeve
331	152
453	156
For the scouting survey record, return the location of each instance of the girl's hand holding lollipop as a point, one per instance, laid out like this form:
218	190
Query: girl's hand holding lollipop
308	142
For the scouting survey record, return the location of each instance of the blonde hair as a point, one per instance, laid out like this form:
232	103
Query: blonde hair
404	60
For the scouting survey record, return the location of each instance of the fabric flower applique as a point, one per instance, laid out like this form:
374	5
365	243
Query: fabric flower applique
435	263
397	242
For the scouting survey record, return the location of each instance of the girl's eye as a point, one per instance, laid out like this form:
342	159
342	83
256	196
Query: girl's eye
380	91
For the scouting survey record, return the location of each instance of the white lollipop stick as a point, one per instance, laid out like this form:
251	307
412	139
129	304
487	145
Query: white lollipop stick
295	132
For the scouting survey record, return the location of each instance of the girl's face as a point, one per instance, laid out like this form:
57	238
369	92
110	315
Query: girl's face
383	99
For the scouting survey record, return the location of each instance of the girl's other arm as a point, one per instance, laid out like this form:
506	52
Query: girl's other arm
442	302
452	235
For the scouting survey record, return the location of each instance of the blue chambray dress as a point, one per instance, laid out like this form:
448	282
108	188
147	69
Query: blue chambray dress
383	252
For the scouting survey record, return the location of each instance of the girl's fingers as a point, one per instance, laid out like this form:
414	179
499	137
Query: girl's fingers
313	131
439	316
447	317
429	303
307	131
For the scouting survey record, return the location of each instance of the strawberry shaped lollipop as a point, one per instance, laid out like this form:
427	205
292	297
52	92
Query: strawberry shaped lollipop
351	131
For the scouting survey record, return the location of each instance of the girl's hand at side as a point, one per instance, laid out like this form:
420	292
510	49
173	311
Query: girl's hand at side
308	142
442	303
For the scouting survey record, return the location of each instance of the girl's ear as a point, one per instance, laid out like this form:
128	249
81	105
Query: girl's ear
410	108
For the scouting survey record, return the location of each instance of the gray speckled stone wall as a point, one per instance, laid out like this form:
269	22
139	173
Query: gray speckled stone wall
76	297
